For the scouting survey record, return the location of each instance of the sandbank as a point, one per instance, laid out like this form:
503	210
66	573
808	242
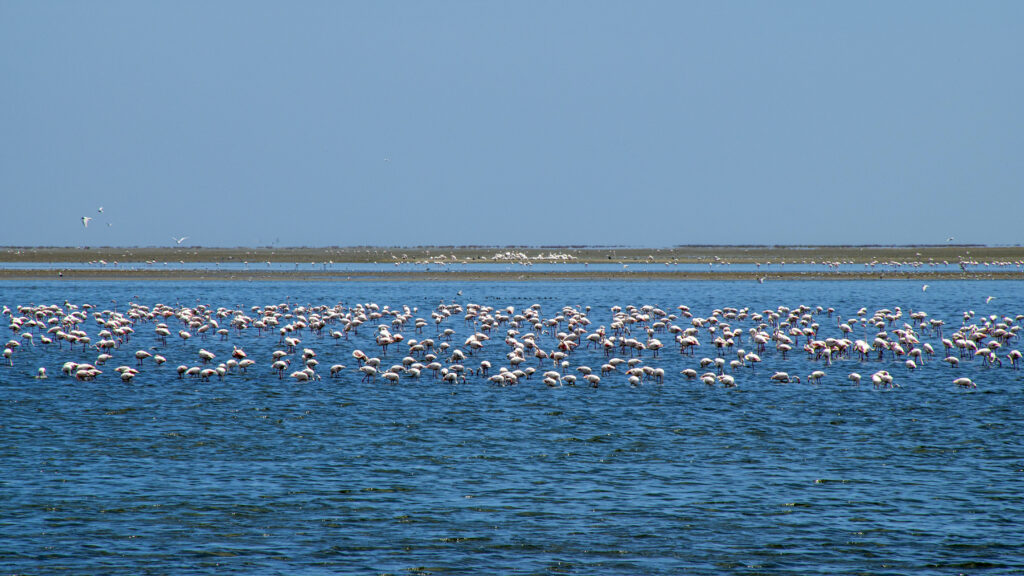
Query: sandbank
883	263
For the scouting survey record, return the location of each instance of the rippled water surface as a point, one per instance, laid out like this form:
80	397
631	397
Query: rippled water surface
256	474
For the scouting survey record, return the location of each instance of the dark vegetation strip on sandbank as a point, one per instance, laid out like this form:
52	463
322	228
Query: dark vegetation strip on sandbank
681	254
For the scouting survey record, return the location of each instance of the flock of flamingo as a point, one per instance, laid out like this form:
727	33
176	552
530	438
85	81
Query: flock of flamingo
459	344
521	259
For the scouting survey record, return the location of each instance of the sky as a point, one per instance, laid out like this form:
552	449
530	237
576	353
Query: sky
403	123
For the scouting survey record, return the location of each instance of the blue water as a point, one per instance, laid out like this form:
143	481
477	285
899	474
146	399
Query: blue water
252	474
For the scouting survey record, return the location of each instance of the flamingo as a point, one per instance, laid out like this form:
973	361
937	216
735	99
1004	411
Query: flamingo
280	366
369	372
1015	357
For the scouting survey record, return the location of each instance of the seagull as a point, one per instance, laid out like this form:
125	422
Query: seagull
100	209
989	299
950	239
761	279
85	221
179	240
923	288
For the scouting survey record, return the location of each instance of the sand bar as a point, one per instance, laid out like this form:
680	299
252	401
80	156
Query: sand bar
681	254
914	260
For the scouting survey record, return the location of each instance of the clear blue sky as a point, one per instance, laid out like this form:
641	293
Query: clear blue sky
404	123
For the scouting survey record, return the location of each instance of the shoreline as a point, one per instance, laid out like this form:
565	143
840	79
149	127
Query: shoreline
478	254
893	263
107	275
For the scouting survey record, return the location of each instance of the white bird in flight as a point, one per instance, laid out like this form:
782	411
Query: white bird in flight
85	221
179	240
100	209
989	299
923	288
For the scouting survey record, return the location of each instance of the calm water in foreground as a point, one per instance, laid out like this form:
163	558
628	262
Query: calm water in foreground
254	474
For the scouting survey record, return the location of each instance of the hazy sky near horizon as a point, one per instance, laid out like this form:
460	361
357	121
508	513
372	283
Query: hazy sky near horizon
574	122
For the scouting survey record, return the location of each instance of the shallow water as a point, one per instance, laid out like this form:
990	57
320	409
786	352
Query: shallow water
256	474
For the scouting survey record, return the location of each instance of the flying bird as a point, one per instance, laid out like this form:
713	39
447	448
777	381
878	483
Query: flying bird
85	221
179	240
989	299
923	288
100	209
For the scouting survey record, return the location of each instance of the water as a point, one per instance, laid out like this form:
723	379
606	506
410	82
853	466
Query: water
254	474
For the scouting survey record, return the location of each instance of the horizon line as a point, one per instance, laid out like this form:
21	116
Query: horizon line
505	246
